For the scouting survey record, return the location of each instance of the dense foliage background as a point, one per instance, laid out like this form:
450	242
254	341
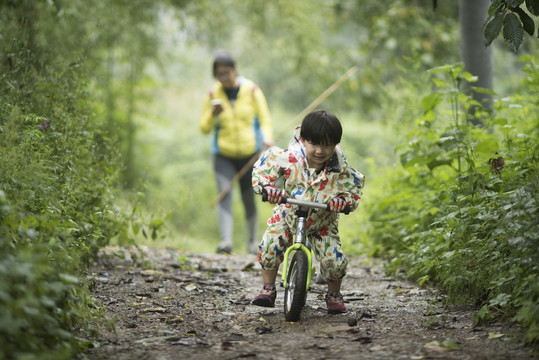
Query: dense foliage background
462	209
99	144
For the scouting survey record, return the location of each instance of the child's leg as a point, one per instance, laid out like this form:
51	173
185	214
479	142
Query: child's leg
333	263
276	239
334	285
270	255
327	250
269	276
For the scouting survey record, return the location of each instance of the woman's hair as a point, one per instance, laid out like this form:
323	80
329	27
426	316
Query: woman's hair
224	59
321	127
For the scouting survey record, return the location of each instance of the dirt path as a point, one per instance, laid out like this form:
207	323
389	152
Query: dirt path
193	306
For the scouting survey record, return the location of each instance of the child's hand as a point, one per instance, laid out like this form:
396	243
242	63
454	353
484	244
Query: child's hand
275	195
337	204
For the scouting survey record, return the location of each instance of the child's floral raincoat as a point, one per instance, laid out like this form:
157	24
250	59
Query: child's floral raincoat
288	169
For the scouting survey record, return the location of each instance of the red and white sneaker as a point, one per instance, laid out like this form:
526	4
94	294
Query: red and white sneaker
335	303
267	296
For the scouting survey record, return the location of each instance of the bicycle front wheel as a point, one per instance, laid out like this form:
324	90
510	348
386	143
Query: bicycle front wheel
296	292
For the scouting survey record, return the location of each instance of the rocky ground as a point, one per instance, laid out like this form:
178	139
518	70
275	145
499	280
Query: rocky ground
172	305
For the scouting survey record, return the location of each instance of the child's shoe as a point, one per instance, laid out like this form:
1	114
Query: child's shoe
335	303
267	296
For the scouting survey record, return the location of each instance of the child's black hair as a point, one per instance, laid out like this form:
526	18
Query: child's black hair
321	127
224	59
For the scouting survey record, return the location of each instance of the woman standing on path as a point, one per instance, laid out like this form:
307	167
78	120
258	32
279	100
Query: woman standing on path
235	109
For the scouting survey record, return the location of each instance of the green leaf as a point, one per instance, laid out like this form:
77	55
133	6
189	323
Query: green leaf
439	162
512	31
47	302
423	279
506	129
516	241
481	90
69	279
493	28
470	162
156	223
500	300
527	21
482	315
514	3
533	7
468	77
439	82
430	101
488	146
410	158
444	68
495	7
448	255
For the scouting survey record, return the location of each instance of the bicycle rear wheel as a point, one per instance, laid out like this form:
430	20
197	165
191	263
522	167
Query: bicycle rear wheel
296	292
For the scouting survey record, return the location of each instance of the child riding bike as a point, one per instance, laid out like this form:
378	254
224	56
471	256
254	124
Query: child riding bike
312	168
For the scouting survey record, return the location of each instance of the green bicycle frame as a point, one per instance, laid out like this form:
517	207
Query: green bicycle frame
299	244
306	250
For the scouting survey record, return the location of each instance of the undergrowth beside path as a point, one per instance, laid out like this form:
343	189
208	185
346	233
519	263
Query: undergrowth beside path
463	207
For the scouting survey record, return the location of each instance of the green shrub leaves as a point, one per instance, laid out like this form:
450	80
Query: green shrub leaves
503	15
56	183
512	31
463	209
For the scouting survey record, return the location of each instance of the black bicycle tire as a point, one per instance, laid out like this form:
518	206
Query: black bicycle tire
297	284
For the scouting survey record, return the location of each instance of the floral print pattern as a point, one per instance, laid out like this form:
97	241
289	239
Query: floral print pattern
288	169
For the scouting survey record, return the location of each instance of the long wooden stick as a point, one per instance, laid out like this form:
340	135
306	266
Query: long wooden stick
300	116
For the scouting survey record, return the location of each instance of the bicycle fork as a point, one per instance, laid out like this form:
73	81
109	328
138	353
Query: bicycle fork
299	245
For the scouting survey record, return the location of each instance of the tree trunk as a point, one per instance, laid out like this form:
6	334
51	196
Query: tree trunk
477	58
129	171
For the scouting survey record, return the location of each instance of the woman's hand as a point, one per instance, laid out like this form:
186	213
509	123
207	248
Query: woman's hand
216	109
216	106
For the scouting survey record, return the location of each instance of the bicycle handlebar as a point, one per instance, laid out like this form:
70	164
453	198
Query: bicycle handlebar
286	200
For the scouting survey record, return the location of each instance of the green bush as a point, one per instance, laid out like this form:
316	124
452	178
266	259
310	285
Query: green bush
57	175
55	190
463	207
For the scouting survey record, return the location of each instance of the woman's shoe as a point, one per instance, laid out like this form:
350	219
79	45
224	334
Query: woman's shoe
224	249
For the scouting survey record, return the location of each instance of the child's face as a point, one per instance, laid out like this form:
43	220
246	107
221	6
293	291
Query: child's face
318	155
